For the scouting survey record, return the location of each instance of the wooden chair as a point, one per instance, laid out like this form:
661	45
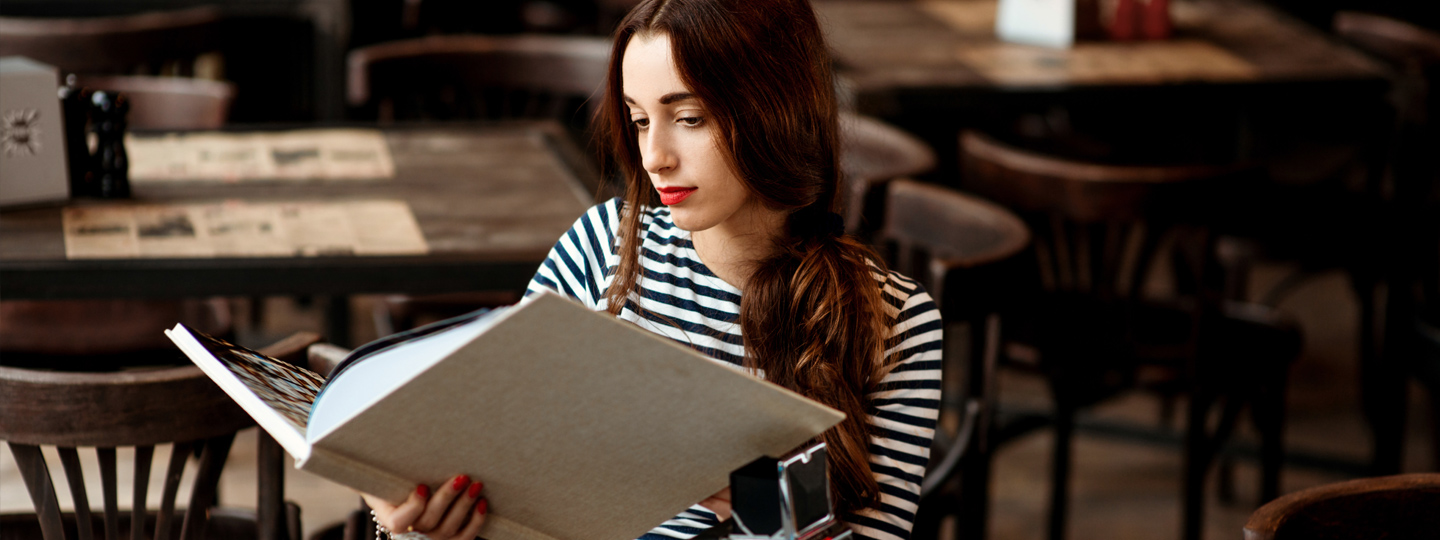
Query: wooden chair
1401	507
140	409
449	77
168	103
1410	238
960	248
871	154
474	76
1086	324
114	45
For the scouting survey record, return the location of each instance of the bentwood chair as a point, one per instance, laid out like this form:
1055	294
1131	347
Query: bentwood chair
457	77
67	413
1411	238
449	77
961	249
168	103
1087	325
130	44
872	153
1401	507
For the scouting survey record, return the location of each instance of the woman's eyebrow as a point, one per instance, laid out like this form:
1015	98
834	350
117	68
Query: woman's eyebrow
665	99
678	96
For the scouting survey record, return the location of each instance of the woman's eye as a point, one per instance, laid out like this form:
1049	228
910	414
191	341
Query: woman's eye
691	121
641	123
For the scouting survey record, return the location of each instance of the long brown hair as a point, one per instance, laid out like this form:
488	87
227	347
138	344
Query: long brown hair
811	314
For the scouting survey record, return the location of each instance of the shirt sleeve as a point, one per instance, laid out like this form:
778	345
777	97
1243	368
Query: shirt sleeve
904	409
580	264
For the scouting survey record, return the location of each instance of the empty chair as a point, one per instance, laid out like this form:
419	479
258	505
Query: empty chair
1401	507
75	412
168	103
1085	323
962	249
473	76
1410	232
871	154
127	44
453	77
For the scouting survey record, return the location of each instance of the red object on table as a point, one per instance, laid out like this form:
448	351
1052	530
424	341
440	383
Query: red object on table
1124	26
1155	22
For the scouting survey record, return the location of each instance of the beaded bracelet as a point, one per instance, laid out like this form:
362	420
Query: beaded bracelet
382	533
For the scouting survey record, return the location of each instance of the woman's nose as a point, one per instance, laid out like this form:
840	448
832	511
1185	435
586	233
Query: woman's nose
656	154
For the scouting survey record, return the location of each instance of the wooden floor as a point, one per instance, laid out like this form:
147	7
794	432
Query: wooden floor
1124	488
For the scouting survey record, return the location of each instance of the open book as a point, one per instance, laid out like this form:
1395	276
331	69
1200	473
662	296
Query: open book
580	425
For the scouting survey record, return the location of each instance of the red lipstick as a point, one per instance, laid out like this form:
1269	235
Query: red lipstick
670	196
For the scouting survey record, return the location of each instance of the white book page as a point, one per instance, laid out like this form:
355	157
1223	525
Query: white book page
374	377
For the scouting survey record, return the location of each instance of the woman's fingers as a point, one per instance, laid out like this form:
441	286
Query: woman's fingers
440	503
462	510
477	519
402	516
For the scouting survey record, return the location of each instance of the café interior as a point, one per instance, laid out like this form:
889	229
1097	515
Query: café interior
1187	252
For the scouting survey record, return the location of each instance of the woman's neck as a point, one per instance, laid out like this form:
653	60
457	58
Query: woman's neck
731	249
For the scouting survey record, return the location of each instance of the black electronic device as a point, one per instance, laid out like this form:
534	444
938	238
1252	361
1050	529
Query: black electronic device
785	498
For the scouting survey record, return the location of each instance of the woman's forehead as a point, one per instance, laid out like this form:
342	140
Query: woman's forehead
648	71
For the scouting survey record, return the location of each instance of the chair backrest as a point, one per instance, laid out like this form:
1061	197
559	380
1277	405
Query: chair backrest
1402	507
139	409
959	247
472	76
121	44
937	234
168	103
1098	227
871	154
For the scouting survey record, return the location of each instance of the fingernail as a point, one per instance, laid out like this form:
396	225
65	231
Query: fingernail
422	490
460	482
475	489
482	507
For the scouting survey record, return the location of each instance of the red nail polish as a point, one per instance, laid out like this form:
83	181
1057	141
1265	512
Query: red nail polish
460	482
475	489
482	507
422	490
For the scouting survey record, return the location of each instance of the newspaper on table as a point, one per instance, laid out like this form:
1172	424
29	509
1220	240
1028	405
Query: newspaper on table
308	154
242	229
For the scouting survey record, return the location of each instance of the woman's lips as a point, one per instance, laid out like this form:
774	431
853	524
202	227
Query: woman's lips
671	196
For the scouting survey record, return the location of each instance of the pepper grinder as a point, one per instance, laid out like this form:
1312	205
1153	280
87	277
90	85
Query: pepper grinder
111	164
75	106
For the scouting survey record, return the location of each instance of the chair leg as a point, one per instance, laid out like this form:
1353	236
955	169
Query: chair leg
1060	469
1198	455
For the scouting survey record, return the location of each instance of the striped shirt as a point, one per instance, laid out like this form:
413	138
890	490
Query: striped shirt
682	300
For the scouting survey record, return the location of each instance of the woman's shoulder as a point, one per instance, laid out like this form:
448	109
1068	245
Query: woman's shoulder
897	289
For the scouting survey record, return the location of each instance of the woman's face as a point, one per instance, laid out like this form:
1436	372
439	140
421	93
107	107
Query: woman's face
680	144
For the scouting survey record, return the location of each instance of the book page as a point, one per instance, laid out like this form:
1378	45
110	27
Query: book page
375	369
276	394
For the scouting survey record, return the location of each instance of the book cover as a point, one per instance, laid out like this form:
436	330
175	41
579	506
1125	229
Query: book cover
580	425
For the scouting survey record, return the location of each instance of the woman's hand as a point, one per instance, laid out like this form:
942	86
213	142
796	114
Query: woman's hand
456	511
719	503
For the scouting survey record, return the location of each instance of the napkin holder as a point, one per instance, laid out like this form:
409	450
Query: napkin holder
32	139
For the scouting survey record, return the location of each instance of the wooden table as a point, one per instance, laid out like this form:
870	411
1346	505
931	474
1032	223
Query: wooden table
490	199
1238	80
891	50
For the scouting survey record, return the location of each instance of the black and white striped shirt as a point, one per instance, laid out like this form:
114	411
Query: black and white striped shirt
681	299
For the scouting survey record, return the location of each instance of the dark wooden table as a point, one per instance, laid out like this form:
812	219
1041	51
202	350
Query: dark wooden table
890	50
490	199
1238	80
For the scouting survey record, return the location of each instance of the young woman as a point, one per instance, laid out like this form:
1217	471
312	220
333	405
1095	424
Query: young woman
721	118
